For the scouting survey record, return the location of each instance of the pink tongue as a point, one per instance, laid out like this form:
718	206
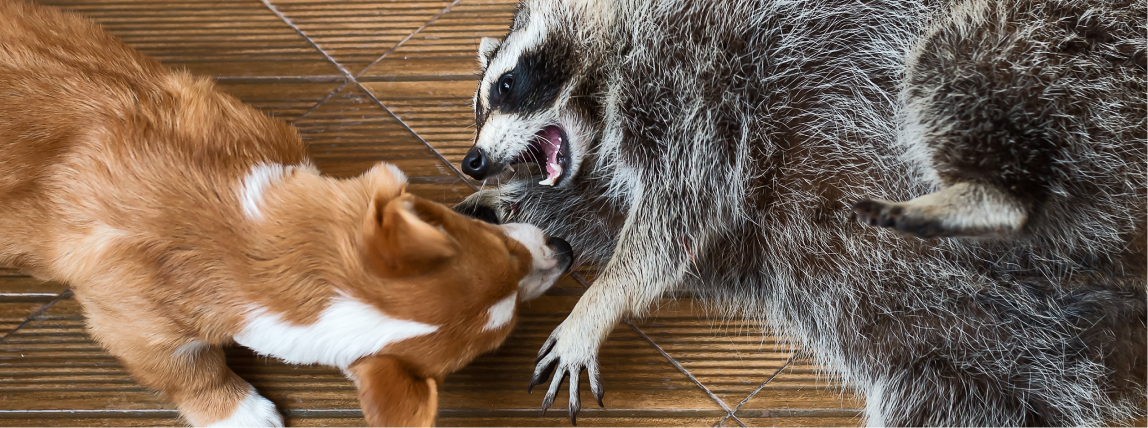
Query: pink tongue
552	146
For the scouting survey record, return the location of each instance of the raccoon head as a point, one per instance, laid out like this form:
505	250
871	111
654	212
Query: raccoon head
537	100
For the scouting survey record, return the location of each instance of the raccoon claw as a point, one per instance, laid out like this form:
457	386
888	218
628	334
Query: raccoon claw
868	211
964	209
894	216
566	363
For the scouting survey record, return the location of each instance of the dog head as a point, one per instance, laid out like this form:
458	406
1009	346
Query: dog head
466	277
538	99
408	239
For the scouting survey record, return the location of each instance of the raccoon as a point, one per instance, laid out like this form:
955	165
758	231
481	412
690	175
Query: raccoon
941	200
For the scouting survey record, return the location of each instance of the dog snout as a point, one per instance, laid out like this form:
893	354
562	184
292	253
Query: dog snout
477	164
562	251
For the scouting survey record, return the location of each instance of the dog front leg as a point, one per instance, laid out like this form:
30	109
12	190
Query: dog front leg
192	373
647	261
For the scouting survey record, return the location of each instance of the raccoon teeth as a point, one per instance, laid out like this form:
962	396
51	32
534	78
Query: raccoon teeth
552	177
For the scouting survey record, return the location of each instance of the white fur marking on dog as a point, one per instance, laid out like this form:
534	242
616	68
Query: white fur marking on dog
346	331
545	269
254	411
501	312
191	349
258	180
82	254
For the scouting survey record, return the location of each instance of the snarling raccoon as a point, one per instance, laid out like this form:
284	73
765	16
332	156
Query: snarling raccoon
745	150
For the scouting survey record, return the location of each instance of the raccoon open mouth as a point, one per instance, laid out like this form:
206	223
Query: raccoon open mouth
551	151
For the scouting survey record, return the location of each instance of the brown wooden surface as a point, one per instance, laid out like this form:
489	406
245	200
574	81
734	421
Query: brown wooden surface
369	81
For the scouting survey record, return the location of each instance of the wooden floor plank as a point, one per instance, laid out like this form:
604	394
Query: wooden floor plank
51	367
284	100
232	38
358	32
430	80
349	134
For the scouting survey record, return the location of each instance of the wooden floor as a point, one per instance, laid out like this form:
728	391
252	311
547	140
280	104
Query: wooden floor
369	81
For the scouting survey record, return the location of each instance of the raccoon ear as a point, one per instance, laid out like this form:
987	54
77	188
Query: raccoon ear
486	51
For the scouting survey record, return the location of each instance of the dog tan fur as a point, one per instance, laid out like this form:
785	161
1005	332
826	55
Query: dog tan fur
183	219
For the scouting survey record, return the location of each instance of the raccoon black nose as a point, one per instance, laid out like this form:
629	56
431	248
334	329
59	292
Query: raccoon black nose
476	164
563	251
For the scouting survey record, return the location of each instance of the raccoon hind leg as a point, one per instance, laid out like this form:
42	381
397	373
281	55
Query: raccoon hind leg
962	210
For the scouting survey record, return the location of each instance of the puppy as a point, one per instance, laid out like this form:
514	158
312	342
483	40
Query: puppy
185	221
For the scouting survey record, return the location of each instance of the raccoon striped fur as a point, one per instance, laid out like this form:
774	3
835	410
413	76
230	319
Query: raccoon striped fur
745	150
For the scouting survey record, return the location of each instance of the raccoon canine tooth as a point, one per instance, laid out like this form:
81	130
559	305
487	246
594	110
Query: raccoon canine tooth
551	178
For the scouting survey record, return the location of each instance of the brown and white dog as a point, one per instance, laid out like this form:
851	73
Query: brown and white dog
184	221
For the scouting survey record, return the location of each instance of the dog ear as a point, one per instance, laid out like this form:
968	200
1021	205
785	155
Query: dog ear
392	395
402	236
486	50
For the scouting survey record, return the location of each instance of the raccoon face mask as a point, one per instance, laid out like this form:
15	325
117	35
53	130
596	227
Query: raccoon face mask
539	99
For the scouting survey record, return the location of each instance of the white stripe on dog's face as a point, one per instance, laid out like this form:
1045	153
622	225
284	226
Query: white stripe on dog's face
545	270
501	312
253	411
346	331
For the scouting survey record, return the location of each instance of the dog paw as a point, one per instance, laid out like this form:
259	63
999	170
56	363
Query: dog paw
565	355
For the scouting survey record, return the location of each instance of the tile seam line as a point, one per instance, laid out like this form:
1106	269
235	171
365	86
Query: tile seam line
759	388
674	362
404	124
351	79
408	37
299	31
64	295
321	102
347	77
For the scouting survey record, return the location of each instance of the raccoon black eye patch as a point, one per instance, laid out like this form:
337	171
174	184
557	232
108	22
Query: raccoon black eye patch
502	87
535	81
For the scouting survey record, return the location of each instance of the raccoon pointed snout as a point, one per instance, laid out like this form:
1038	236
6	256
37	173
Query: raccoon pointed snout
477	165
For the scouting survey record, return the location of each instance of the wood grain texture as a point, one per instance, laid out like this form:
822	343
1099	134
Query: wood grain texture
215	38
429	81
350	133
356	33
51	371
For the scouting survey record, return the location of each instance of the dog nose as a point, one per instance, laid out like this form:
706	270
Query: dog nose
476	164
563	251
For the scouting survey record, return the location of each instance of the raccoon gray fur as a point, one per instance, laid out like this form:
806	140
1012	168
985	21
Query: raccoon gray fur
730	148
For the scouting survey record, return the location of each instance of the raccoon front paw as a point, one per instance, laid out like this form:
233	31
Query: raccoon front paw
902	219
566	355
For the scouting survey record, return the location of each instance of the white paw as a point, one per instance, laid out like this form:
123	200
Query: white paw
570	349
253	411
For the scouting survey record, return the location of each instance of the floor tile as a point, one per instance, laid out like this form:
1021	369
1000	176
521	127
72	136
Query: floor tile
439	111
430	80
358	32
232	38
53	370
284	100
447	49
350	133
